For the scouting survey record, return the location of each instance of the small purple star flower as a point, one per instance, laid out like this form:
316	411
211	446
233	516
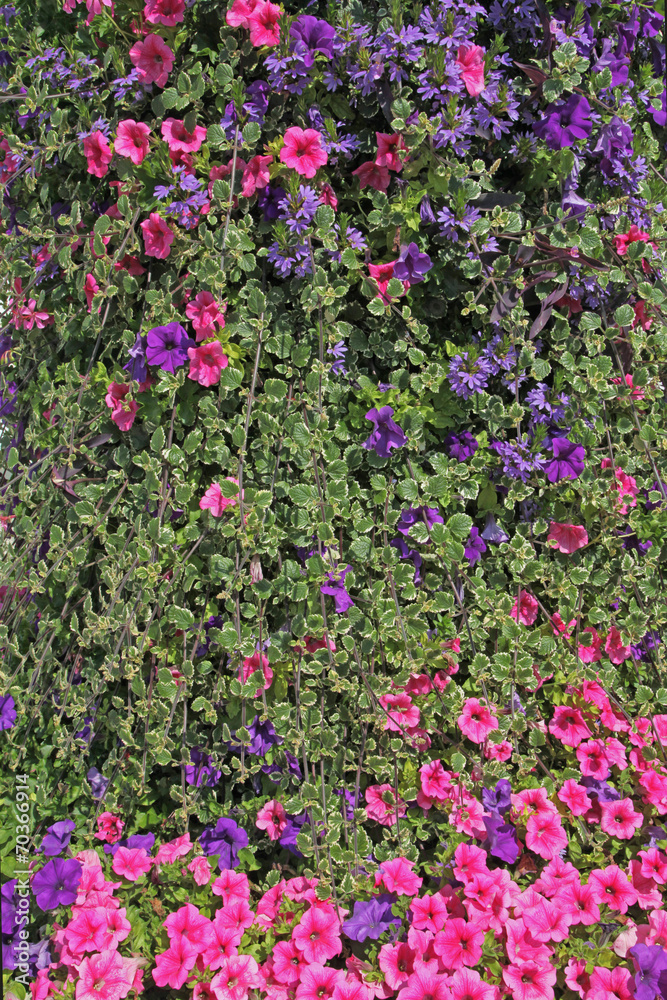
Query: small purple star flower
412	265
386	433
568	460
168	346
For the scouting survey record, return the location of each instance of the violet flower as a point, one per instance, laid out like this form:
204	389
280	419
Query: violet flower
474	546
56	883
98	783
501	839
226	839
460	446
168	346
418	515
412	554
58	837
412	265
565	122
493	532
9	898
201	771
291	832
568	460
336	589
651	975
339	351
312	35
371	919
145	841
617	64
386	433
499	799
7	712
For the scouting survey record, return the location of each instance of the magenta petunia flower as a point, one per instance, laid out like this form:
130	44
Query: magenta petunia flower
239	12
470	59
206	363
255	175
263	24
167	12
158	236
179	139
132	140
153	59
98	153
302	151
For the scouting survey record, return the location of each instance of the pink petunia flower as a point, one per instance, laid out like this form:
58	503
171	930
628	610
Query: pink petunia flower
466	984
575	797
167	12
476	721
214	501
206	315
131	862
568	725
302	151
90	288
619	819
459	943
576	977
179	139
327	196
426	984
173	849
383	273
238	13
372	175
272	818
547	921
103	977
201	870
610	984
528	608
318	982
397	964
611	886
109	827
545	835
593	759
382	805
592	653
397	876
614	648
578	901
132	140
123	411
498	751
206	363
469	861
232	886
86	931
98	153
253	663
173	966
154	60
264	27
317	935
530	981
567	538
158	237
654	865
402	714
256	175
636	393
288	963
389	148
470	59
429	912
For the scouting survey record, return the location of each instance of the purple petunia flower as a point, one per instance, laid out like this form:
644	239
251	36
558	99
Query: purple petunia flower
58	837
371	919
565	122
411	554
226	839
98	783
499	799
617	64
336	589
56	883
8	909
418	515
501	839
461	446
291	832
493	532
412	265
201	771
474	546
263	736
145	841
7	712
568	460
386	434
651	971
168	346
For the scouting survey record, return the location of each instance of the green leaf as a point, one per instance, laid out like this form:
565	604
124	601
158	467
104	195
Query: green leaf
180	617
460	525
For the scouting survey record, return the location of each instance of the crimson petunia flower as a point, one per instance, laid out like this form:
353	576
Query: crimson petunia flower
372	175
158	236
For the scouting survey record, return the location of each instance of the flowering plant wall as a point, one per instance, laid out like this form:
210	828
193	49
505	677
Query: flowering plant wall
334	498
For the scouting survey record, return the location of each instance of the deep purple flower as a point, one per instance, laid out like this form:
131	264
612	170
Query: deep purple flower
565	122
168	346
256	102
98	783
226	838
386	434
291	832
418	515
568	460
9	898
493	532
474	546
600	790
412	554
8	401
336	589
56	883
145	841
7	712
501	839
270	199
499	799
347	802
201	771
58	837
312	35
651	971
371	919
460	446
412	265
646	646
617	65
